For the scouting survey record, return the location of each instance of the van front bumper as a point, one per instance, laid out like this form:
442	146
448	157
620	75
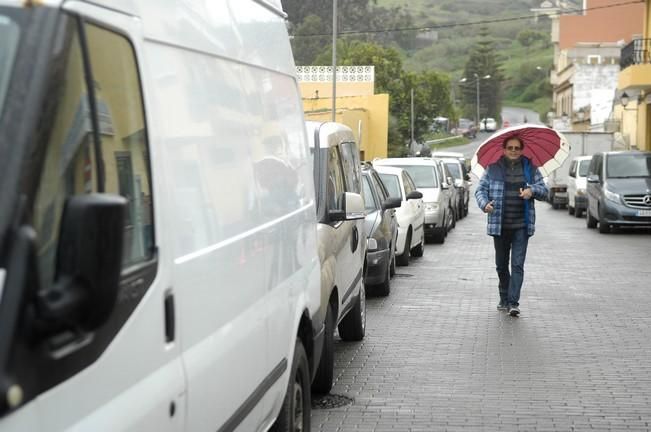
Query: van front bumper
622	215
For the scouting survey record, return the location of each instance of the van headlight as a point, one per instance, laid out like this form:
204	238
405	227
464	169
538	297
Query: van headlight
431	207
612	196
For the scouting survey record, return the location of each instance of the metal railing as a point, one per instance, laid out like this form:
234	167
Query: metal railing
638	51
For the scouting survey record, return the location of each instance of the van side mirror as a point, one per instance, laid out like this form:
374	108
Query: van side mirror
88	262
458	183
593	178
466	177
414	195
391	202
353	208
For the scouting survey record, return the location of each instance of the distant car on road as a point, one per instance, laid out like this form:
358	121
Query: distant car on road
576	185
466	128
488	124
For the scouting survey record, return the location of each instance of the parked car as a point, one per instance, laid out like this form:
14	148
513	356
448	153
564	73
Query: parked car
576	185
466	128
488	124
454	198
619	190
457	155
381	226
341	239
461	183
425	173
159	269
410	215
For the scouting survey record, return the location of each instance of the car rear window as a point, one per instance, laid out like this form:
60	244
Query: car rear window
423	175
392	184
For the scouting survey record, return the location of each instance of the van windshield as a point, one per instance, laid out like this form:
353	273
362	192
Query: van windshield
424	176
583	168
9	33
455	170
629	165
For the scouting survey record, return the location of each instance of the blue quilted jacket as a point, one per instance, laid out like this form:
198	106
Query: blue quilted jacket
491	188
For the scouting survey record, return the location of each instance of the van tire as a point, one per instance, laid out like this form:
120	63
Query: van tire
322	383
578	213
570	209
439	235
590	221
604	227
392	265
297	404
418	250
353	327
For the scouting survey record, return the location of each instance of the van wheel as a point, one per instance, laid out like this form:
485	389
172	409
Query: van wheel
403	260
322	383
570	209
590	222
439	235
578	213
296	410
604	228
353	326
392	265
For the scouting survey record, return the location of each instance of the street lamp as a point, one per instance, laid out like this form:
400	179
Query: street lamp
477	78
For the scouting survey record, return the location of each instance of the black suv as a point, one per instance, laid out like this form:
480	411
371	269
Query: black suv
381	230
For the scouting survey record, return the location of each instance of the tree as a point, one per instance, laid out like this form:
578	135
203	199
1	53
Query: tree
306	48
483	61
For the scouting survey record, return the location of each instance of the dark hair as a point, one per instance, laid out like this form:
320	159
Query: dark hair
513	137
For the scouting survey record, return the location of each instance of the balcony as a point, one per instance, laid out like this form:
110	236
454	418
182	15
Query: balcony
635	53
635	63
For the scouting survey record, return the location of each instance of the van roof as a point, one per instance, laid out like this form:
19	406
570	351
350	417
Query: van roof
409	161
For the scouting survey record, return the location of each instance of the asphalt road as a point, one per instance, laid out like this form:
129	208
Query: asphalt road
438	356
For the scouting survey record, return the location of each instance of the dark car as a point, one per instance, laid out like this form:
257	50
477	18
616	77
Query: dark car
466	128
381	230
619	190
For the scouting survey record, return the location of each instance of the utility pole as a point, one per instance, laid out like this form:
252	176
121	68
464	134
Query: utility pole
411	141
334	60
478	118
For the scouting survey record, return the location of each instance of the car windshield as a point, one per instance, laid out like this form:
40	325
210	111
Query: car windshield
9	33
367	193
423	175
392	184
629	165
583	167
454	169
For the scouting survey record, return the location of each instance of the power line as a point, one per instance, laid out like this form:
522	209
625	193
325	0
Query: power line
470	23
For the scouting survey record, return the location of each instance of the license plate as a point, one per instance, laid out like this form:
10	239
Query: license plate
644	212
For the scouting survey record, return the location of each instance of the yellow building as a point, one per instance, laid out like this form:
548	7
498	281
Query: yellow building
633	107
357	106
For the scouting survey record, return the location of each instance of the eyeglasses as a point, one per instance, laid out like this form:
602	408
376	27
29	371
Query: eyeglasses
514	148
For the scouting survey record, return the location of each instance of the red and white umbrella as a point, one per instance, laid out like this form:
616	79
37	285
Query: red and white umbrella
546	147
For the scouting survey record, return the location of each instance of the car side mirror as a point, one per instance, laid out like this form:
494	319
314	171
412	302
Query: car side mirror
458	183
593	178
391	202
414	195
445	186
450	180
352	208
466	177
88	262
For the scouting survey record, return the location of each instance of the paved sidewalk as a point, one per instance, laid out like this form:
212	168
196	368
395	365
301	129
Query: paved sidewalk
438	355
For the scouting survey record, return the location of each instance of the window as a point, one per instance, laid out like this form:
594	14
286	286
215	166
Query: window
9	34
382	192
583	168
455	170
335	187
406	181
628	165
350	162
74	163
573	169
392	184
424	176
367	193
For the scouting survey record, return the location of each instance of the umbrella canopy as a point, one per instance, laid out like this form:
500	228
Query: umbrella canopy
546	148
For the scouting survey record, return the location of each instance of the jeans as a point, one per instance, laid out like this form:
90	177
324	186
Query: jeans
511	244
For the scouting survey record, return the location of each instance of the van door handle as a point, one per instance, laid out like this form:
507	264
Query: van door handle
354	240
170	322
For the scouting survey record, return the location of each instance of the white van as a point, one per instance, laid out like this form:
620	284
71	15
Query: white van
341	239
577	184
159	267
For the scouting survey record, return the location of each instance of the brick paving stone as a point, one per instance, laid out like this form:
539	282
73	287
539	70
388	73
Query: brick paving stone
438	356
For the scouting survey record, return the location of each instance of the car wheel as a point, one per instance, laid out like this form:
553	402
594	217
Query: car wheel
590	221
384	289
420	248
453	219
324	374
392	266
570	209
578	213
403	260
353	326
296	410
439	235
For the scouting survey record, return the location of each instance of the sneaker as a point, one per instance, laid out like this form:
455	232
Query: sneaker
514	311
502	307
